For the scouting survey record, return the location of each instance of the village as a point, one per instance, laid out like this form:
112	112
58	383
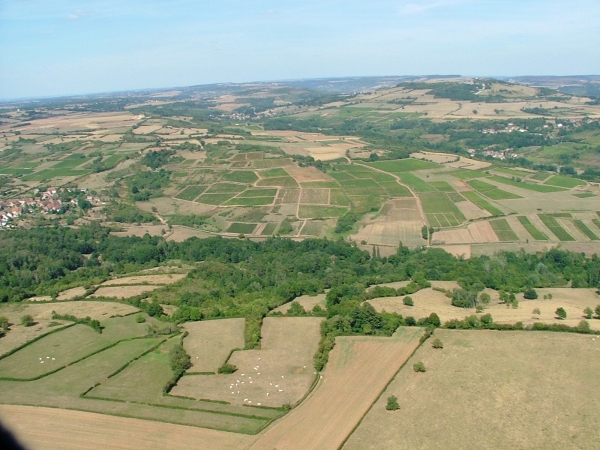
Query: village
51	201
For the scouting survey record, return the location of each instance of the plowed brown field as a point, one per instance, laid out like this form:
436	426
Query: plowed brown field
359	369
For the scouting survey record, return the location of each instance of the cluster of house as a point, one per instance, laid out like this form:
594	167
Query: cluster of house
47	202
498	154
509	129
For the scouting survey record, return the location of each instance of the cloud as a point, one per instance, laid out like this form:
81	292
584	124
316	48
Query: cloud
417	8
78	14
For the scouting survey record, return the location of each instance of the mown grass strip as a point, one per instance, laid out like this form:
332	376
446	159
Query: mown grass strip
566	182
552	224
503	230
528	186
585	230
475	198
531	229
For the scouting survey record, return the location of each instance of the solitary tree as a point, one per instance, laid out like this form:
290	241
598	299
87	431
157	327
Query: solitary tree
530	294
408	301
560	312
588	312
437	344
27	320
598	311
419	367
485	298
425	232
392	403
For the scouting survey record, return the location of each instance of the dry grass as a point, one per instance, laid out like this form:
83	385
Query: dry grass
210	342
122	291
146	279
70	294
307	174
55	429
478	232
426	301
43	311
487	389
308	302
282	368
141	230
359	368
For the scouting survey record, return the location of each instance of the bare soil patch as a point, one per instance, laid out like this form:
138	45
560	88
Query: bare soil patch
180	234
307	174
308	302
210	342
359	368
532	390
57	429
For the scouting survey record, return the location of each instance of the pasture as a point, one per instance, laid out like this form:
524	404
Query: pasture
531	391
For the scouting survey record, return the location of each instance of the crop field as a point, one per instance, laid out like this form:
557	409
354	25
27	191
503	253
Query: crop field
161	279
553	225
122	291
315	196
526	185
566	182
585	230
240	176
531	229
191	192
503	230
324	420
404	165
280	373
320	212
244	228
440	210
491	191
416	183
523	369
483	204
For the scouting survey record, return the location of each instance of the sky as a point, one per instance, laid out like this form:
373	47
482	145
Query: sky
66	47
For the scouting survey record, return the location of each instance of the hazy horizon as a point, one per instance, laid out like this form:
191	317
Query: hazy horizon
65	48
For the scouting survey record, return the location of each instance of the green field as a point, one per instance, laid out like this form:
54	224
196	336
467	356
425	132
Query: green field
70	162
249	201
214	199
596	222
320	212
15	172
191	192
259	193
464	174
243	228
338	198
482	203
540	176
416	183
442	186
491	191
554	226
528	186
273	173
585	230
241	176
456	197
278	181
585	195
566	182
440	210
48	174
394	189
404	165
220	188
269	229
531	229
503	230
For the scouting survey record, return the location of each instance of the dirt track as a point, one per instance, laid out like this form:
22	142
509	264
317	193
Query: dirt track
359	368
57	429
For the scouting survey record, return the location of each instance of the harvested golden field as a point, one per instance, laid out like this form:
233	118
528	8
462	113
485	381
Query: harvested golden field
478	232
210	342
491	389
426	301
70	294
146	279
56	429
78	121
358	370
307	174
390	233
280	373
82	308
122	291
308	302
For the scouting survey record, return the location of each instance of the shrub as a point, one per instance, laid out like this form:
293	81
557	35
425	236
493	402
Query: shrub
410	321
530	294
296	309
464	299
437	344
392	403
598	311
419	367
486	320
588	312
536	311
561	313
140	319
27	321
479	309
408	301
227	368
4	323
583	326
434	320
484	298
